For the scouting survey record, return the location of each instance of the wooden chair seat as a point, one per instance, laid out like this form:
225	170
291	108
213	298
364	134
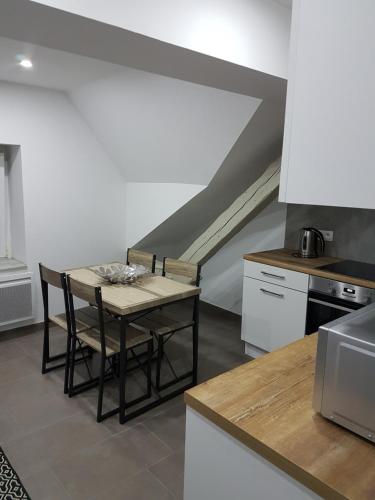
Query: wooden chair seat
160	324
134	338
86	318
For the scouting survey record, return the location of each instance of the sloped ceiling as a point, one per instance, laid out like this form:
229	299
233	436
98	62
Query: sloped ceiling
49	27
175	116
158	129
155	128
251	33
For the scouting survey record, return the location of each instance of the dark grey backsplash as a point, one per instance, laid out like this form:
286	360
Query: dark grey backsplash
354	229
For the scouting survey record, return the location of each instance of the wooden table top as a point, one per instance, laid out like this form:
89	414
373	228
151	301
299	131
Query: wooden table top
150	291
267	405
284	258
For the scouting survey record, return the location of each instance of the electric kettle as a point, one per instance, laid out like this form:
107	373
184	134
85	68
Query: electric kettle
311	243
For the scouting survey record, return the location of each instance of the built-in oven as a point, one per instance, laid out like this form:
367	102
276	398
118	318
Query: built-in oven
329	300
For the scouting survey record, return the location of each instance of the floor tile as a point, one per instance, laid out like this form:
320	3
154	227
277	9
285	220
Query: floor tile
54	441
32	345
16	367
170	473
142	486
9	427
14	392
31	453
92	471
169	426
45	486
32	414
10	349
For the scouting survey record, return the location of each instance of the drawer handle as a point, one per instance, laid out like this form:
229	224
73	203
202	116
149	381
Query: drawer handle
280	295
273	275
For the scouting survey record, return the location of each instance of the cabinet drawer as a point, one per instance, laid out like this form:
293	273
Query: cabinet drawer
277	275
272	315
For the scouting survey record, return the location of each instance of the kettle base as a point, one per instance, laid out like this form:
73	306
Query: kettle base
300	256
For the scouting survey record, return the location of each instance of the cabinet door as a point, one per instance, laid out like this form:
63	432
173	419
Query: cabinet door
272	315
328	151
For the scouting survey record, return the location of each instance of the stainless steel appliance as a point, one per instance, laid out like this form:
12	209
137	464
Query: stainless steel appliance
329	300
310	243
344	391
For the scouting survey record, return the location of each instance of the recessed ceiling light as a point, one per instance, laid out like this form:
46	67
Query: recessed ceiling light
26	63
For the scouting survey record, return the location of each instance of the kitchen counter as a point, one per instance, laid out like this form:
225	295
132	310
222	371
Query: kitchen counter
266	405
284	258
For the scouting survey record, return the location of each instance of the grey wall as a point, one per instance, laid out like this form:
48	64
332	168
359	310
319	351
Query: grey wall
222	274
354	229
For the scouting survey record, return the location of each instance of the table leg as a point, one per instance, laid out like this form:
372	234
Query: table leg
195	339
123	324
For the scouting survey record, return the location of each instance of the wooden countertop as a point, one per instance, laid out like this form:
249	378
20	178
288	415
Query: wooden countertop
283	257
267	405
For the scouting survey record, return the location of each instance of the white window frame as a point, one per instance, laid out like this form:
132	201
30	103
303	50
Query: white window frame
4	209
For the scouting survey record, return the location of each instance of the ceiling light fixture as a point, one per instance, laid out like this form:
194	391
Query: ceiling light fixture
26	63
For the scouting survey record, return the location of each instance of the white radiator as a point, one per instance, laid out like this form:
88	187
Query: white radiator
15	298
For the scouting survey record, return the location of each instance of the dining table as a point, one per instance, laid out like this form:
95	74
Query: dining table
127	301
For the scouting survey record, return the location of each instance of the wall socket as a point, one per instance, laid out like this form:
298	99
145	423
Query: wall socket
327	235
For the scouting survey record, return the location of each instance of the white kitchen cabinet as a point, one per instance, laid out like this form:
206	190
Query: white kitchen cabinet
272	315
276	275
219	467
329	126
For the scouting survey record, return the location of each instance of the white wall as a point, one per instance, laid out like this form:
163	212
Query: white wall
74	197
251	33
148	204
223	273
159	129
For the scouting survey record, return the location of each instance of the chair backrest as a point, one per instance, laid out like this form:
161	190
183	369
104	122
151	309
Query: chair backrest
173	268
140	257
51	277
82	291
90	294
56	279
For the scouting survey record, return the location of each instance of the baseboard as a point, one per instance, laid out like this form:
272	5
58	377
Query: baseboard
19	330
253	351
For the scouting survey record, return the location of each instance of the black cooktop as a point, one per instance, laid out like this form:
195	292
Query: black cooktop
352	268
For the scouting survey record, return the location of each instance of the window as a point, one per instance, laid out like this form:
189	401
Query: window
3	207
12	219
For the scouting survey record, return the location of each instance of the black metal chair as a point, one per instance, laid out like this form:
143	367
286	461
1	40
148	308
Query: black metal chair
106	341
146	259
163	328
84	321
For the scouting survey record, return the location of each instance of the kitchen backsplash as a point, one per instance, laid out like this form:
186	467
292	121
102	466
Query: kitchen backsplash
354	229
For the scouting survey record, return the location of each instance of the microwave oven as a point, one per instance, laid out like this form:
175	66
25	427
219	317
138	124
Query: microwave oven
344	387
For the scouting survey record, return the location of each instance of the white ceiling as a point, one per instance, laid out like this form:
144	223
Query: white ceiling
286	3
51	68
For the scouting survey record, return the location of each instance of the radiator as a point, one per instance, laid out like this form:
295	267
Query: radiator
15	301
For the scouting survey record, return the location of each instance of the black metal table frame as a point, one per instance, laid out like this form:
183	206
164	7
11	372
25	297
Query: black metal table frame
125	320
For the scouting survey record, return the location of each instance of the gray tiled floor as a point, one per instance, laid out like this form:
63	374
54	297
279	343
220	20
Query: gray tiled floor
59	450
